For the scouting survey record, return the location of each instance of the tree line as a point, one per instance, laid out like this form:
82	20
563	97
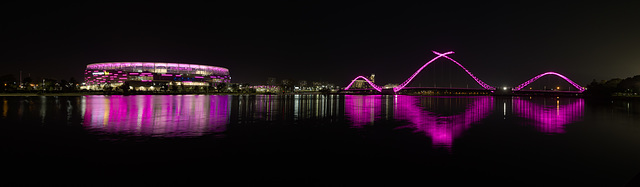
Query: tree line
629	86
9	83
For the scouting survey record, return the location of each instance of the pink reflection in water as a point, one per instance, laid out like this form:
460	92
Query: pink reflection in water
442	129
362	109
157	115
549	115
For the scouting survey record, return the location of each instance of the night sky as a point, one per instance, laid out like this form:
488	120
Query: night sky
501	43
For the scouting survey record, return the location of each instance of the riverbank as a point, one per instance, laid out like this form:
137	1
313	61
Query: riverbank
289	93
100	93
141	93
46	94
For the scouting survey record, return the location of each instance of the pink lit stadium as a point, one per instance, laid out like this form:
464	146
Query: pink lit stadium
152	75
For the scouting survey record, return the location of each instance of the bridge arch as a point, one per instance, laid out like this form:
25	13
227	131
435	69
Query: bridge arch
523	85
376	87
406	82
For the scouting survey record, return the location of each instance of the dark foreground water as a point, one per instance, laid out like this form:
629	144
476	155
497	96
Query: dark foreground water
319	139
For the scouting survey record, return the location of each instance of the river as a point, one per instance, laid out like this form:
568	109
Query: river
320	140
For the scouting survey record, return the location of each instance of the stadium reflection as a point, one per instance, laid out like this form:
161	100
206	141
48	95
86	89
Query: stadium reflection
157	115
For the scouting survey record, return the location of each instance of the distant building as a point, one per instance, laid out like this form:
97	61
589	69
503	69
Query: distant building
390	85
152	75
361	84
266	88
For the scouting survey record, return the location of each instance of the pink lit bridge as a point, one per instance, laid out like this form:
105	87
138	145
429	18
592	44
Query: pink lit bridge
485	86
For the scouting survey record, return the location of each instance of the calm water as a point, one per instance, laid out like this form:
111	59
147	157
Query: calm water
320	139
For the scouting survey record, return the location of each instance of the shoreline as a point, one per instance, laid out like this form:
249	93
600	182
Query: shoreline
83	94
101	93
298	93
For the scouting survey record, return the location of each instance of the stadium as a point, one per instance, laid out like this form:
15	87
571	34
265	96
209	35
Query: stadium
152	76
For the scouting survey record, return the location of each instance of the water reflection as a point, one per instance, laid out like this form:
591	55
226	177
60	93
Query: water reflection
442	118
157	115
5	108
362	109
548	114
43	108
260	108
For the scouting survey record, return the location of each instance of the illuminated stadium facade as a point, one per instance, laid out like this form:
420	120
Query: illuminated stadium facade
152	75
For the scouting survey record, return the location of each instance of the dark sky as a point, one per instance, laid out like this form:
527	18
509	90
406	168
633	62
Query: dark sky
501	43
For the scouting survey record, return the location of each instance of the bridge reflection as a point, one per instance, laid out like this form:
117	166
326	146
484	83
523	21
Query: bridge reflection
549	115
442	118
362	109
435	119
445	118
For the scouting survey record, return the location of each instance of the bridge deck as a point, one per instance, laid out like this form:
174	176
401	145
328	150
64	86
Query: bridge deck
444	88
546	91
498	92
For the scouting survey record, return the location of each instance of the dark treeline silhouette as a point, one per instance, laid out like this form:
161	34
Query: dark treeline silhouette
614	87
10	84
